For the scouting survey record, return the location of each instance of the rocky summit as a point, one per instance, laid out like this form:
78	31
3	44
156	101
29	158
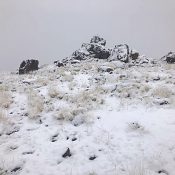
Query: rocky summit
96	49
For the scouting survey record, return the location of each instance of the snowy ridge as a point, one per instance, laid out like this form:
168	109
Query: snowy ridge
93	117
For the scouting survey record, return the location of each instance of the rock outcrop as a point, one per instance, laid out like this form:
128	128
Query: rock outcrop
28	65
96	50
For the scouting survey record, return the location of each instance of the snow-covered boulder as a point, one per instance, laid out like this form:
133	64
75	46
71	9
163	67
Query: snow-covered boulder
28	65
170	57
94	49
120	52
124	54
105	68
98	40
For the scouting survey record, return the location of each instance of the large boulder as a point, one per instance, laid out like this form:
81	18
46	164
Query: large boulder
94	49
28	65
169	58
124	54
120	52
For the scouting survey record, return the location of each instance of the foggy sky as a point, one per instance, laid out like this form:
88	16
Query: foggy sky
49	30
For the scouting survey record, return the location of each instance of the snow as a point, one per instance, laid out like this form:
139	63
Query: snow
115	118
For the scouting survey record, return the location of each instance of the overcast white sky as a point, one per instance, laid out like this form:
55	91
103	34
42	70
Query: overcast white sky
49	30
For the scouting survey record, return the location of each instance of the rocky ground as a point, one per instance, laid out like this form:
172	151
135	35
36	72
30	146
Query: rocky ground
98	112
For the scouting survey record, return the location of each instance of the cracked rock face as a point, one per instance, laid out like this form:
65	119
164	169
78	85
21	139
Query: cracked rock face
28	65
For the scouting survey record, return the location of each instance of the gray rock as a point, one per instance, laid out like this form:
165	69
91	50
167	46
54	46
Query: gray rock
98	40
28	65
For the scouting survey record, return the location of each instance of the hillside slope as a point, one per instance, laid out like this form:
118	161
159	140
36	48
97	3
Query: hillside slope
112	116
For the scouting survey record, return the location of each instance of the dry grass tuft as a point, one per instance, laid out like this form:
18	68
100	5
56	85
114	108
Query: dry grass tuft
35	105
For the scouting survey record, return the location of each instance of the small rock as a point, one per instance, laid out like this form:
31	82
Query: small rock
58	63
16	169
28	152
12	131
67	153
163	172
164	103
92	157
54	138
74	139
156	79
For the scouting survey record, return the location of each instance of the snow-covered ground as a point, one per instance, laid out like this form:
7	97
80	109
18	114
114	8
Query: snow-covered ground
119	122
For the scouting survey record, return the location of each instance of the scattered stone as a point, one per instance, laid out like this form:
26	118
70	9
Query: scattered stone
163	172
67	153
92	157
105	69
26	114
54	138
164	102
156	79
16	169
12	131
26	82
160	101
13	90
40	121
28	152
74	139
13	147
113	90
